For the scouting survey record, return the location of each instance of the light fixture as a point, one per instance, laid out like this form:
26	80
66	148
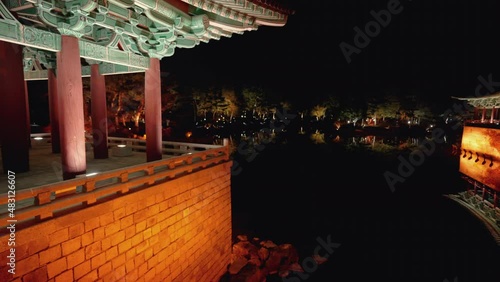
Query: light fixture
484	161
470	155
38	138
121	146
477	157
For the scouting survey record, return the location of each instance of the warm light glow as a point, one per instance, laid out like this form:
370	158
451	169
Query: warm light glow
38	138
91	174
188	134
481	156
122	146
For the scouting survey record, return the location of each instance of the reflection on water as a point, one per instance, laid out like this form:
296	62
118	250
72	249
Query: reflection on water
250	144
294	188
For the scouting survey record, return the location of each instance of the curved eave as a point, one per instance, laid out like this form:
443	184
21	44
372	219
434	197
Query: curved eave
272	23
231	28
243	11
487	102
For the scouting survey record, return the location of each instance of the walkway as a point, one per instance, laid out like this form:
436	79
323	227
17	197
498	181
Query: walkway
46	168
492	227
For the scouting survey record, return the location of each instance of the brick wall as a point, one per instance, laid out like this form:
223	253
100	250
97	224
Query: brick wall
176	231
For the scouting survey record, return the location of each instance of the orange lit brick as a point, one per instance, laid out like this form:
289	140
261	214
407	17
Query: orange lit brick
151	200
130	232
148	253
143	268
76	258
129	265
87	238
98	260
105	243
82	269
76	230
159	198
146	233
132	276
140	226
91	276
152	262
118	261
59	237
149	276
26	265
130	254
142	246
119	213
137	239
70	246
111	253
65	276
124	246
104	269
91	224
56	267
126	221
92	250
106	219
39	274
141	215
112	228
131	208
98	234
50	254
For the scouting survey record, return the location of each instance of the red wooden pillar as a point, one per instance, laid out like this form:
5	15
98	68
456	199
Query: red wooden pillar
483	116
71	123
152	101
99	113
28	118
492	118
14	118
54	111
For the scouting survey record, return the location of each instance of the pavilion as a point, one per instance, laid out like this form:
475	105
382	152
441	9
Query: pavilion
480	160
167	219
63	41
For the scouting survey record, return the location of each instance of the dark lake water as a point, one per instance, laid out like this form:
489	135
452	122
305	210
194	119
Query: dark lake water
297	189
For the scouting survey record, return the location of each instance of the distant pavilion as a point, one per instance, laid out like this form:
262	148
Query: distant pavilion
486	108
480	161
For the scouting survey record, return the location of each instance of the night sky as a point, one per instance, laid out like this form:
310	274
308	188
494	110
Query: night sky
435	48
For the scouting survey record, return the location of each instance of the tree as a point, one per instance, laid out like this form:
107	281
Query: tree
318	112
351	109
169	95
125	95
382	107
231	99
254	99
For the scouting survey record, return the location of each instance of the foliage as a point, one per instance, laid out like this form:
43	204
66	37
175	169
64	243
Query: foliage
318	112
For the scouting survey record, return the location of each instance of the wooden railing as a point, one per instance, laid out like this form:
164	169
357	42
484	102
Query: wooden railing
46	201
168	148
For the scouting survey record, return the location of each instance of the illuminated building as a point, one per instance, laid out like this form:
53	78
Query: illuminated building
480	160
168	219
